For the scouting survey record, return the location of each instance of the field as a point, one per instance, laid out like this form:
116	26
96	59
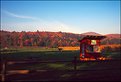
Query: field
56	71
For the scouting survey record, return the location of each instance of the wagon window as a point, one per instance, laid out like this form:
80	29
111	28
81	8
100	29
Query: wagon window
93	42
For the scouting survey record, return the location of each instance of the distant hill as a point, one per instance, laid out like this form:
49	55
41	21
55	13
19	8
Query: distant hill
113	35
91	33
49	39
112	39
107	35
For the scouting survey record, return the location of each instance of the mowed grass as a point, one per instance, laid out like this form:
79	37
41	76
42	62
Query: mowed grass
44	53
38	53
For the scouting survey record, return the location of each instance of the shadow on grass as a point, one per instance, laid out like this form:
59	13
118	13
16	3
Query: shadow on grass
59	71
106	71
57	75
41	55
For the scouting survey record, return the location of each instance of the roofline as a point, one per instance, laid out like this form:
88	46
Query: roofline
92	37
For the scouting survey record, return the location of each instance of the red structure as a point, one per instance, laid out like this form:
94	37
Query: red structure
90	47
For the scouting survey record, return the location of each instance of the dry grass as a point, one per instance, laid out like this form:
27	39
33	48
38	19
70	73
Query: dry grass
101	47
70	48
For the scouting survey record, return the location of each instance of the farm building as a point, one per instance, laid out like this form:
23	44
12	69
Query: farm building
90	47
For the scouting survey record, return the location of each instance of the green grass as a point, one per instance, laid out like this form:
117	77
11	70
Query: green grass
43	53
27	49
48	54
112	55
37	53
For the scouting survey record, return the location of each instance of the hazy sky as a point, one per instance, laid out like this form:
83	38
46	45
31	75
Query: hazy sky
67	16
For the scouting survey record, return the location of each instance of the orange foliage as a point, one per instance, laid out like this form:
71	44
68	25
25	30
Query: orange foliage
111	46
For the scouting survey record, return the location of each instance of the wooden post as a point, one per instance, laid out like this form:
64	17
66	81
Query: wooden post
3	71
75	63
75	68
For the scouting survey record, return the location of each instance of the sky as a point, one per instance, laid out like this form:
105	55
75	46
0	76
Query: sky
66	16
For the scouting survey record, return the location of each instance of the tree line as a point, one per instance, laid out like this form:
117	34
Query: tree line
44	39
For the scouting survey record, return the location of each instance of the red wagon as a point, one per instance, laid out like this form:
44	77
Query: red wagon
90	47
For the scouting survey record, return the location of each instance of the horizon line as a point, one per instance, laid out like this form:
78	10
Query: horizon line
59	31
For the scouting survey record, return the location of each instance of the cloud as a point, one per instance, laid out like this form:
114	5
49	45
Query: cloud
19	16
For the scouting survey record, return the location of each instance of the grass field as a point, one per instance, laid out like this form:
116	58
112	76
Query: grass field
46	53
38	53
60	71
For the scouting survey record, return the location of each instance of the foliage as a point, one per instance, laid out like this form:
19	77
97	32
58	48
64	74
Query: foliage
111	48
45	39
41	39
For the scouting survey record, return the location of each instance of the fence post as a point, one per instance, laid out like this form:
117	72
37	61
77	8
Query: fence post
75	63
3	70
